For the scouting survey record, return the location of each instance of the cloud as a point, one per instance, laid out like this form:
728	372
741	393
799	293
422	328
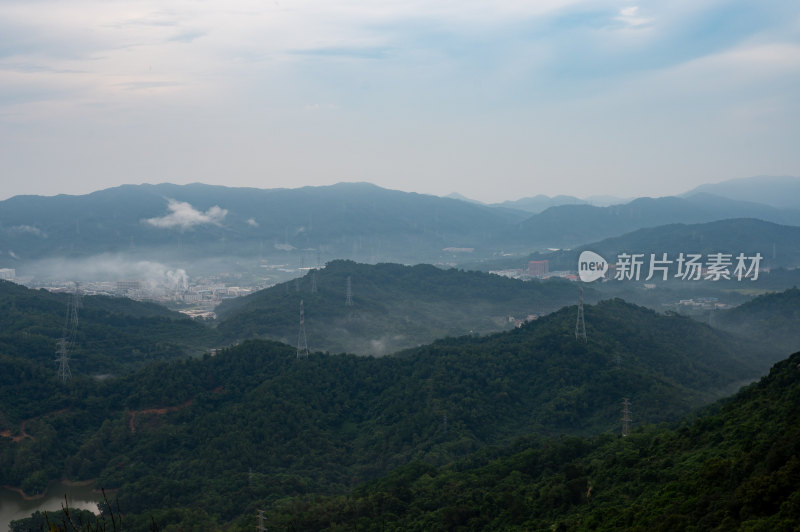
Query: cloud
252	222
109	267
183	215
630	16
368	52
29	229
460	88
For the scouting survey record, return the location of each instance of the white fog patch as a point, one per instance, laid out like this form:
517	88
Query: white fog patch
28	229
184	216
378	347
252	222
177	280
110	267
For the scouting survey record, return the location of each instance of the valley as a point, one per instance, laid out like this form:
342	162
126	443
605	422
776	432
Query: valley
425	387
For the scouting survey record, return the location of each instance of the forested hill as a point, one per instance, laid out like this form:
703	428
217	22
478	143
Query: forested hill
779	245
113	334
393	306
573	225
665	363
736	468
773	319
266	425
197	221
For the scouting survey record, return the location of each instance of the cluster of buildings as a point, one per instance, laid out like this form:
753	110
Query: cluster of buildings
702	303
197	299
537	269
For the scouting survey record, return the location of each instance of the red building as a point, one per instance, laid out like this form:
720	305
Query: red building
538	268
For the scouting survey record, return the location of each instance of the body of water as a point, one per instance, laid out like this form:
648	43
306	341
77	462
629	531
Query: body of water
13	506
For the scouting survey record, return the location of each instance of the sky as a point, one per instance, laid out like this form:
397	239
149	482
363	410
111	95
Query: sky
494	100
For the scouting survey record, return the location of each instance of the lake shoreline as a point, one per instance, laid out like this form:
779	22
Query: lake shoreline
15	504
64	481
24	495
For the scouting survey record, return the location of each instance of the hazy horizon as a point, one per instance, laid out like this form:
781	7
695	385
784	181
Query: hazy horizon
600	198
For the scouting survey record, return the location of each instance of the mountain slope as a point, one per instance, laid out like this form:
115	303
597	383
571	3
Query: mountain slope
364	222
113	335
777	191
266	425
572	225
540	202
779	245
736	468
347	219
394	306
772	318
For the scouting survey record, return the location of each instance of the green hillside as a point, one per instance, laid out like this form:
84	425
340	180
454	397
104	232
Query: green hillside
357	220
205	441
778	244
113	334
772	318
735	468
393	306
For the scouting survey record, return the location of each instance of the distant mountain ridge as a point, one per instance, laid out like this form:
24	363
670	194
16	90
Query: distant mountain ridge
777	191
540	202
358	221
572	225
779	245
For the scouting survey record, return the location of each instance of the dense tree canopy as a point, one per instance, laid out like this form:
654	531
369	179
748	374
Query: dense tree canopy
255	424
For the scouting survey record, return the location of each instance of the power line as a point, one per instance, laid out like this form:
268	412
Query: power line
70	332
302	342
626	416
261	527
348	302
62	357
580	324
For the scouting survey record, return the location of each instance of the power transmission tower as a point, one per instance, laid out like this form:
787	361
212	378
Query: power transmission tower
349	301
62	357
261	527
580	324
302	343
69	333
626	416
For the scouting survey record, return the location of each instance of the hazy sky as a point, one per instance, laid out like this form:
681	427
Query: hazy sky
496	100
